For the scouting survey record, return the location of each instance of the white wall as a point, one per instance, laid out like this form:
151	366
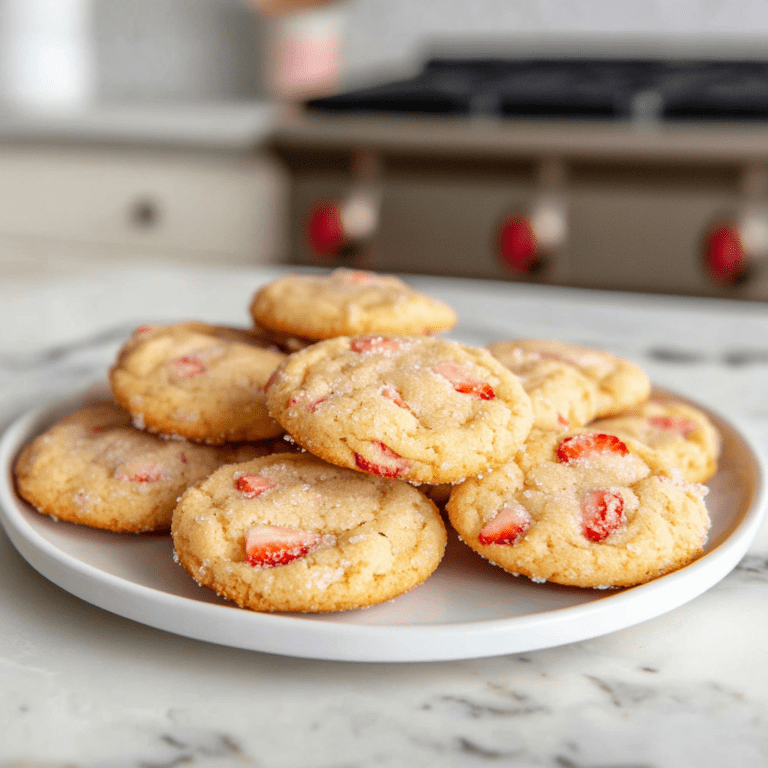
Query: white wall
395	34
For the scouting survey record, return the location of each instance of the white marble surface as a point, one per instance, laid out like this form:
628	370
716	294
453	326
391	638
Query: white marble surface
82	687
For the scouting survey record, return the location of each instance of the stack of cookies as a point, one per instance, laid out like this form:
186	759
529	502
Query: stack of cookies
308	463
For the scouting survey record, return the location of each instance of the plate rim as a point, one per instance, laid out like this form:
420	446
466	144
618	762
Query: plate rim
277	634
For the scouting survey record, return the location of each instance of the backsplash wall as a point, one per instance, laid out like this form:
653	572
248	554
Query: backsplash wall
396	34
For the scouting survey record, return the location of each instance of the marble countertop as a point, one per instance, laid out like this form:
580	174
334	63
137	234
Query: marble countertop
82	687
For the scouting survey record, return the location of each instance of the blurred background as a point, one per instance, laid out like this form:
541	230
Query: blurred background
598	144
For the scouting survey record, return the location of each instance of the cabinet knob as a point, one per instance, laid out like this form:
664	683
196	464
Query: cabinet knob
332	227
144	213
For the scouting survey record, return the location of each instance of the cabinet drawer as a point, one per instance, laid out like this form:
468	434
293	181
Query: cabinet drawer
218	203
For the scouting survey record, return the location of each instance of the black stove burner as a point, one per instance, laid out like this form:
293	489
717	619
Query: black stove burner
611	89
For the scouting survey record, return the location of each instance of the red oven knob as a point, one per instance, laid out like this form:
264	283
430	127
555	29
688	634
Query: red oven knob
724	254
325	230
518	245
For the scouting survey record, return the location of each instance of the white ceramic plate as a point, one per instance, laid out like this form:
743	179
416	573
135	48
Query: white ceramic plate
468	608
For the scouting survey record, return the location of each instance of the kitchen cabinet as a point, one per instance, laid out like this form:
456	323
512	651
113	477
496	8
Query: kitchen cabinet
112	190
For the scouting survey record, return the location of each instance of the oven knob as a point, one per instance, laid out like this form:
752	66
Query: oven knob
325	230
334	227
518	244
725	257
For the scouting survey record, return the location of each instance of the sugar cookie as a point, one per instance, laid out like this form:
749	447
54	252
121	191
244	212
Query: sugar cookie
680	431
413	407
559	389
197	381
584	509
95	469
347	303
293	533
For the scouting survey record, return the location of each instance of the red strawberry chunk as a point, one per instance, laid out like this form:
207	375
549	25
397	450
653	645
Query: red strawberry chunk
187	366
145	472
556	357
267	546
508	527
463	381
380	344
602	513
360	278
271	380
392	394
302	401
674	423
144	330
387	462
562	421
589	445
253	485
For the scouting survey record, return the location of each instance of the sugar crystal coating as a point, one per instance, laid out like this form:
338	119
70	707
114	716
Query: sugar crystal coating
681	431
322	538
342	304
611	518
95	468
197	381
422	409
570	385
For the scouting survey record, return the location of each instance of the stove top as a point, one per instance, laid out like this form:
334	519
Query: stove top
618	173
581	88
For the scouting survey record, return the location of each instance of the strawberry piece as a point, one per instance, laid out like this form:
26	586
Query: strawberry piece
267	546
143	472
271	380
187	366
301	401
602	512
562	421
253	485
463	381
577	359
508	527
674	423
387	464
379	344
360	278
392	394
589	445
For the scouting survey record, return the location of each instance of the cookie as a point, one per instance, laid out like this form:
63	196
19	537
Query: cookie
412	407
683	433
559	388
562	397
94	468
347	303
584	509
283	341
293	533
197	381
